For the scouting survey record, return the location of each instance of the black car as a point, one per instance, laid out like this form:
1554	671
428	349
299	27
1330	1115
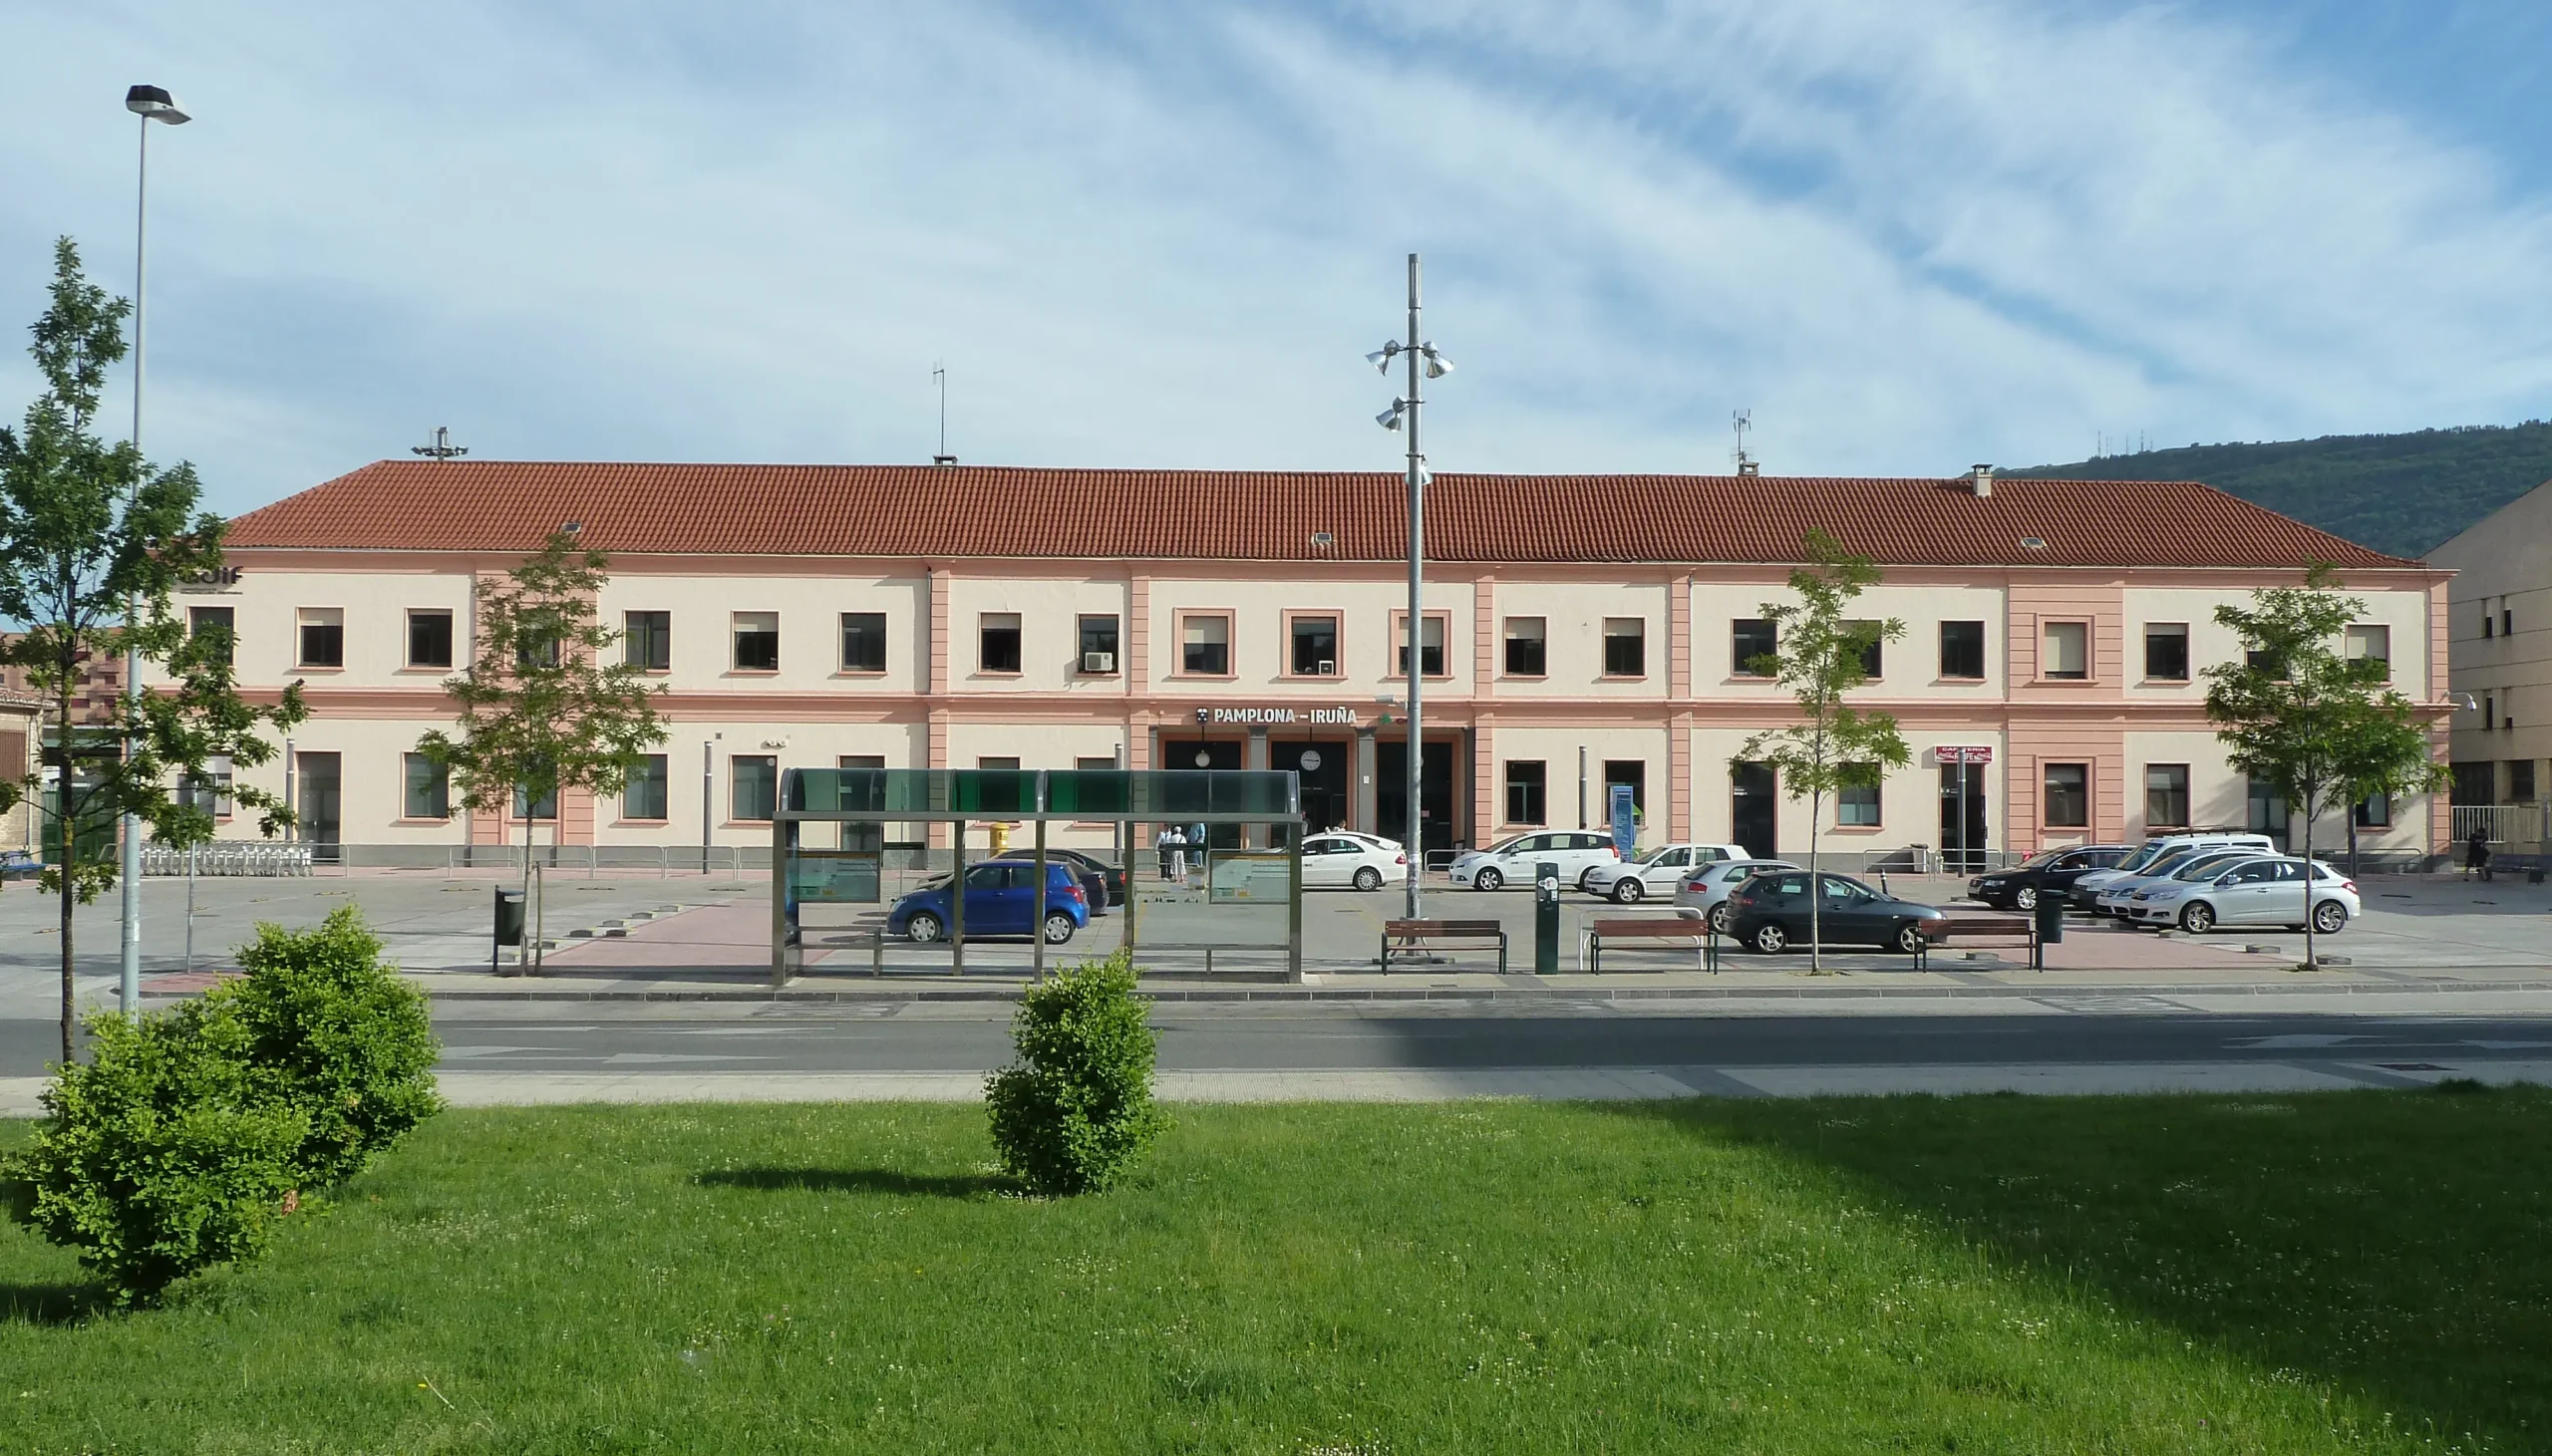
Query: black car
2018	887
1768	913
1103	882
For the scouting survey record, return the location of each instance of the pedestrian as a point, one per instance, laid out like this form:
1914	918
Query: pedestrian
2476	853
1176	839
1160	846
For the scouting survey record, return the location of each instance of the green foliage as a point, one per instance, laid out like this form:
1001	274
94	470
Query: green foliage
161	1155
336	1034
2401	493
1077	1110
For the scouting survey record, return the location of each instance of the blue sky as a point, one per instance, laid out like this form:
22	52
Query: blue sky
1908	236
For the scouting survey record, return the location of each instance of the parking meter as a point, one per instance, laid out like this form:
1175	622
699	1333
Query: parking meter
1545	919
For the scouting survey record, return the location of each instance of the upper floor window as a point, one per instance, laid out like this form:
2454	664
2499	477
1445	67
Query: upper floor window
999	634
323	636
1431	644
1874	651
647	641
429	641
1098	642
1527	657
1205	645
2488	622
757	644
2067	652
1315	646
1751	642
1963	649
203	621
2370	641
2166	652
864	641
1625	647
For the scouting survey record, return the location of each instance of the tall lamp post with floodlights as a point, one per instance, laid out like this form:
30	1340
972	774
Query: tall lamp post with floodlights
151	103
1404	412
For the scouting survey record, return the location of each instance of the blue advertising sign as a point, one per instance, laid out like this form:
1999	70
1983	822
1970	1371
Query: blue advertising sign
1625	831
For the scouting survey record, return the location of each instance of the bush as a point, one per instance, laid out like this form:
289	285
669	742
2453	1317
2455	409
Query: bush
1077	1110
161	1155
338	1035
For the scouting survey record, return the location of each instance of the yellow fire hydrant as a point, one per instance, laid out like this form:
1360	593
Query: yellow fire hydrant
999	834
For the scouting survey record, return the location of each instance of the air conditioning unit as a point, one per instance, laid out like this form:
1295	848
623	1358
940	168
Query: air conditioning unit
1329	670
1098	662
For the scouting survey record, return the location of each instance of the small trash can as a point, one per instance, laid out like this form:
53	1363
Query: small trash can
2051	919
509	916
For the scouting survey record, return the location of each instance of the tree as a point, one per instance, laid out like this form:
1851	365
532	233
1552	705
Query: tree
538	713
92	540
1821	657
2300	715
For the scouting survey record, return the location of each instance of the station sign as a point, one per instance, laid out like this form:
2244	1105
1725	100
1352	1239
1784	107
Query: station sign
1957	754
1276	716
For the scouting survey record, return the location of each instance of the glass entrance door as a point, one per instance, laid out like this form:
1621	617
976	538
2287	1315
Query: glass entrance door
1323	769
1963	839
1434	790
319	806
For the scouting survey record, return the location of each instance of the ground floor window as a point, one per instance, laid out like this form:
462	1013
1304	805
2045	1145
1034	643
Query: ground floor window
1856	804
546	808
2267	809
1526	781
2166	795
2069	796
2520	780
429	793
644	796
2374	811
753	786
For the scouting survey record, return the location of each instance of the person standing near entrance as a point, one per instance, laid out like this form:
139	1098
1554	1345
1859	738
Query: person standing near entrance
1174	854
2476	853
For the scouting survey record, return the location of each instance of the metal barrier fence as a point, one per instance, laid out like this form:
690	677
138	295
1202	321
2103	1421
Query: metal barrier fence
2515	824
227	859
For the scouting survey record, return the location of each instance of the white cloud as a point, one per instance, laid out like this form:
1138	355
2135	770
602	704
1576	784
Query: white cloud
1907	236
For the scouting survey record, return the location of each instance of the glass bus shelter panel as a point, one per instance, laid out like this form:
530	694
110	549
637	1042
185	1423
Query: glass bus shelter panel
819	792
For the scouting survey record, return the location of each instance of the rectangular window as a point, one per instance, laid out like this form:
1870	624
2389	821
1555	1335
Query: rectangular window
646	794
2475	783
998	763
1525	802
864	641
2166	652
2520	780
999	636
2067	652
1856	804
2166	795
323	636
428	788
2487	621
1095	765
1205	646
2370	641
1431	644
1633	771
1751	642
205	621
1963	649
1625	647
209	793
1099	644
2266	808
547	808
2508	621
430	638
1526	655
757	641
1315	646
753	788
647	641
1874	655
2068	796
2374	811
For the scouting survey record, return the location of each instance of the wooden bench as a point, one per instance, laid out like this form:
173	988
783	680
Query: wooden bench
2016	931
1650	928
1405	935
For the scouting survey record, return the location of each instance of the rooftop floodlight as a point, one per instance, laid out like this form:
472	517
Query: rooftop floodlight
1437	366
153	102
1389	418
1381	358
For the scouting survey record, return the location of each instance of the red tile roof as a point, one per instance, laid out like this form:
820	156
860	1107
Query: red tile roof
1271	516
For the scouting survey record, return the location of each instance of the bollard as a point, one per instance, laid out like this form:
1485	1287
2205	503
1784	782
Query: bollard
1545	919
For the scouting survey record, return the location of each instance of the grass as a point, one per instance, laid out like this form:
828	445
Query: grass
2357	1272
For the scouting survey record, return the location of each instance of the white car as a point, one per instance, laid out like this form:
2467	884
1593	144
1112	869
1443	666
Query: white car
1511	861
1707	889
2268	891
1351	862
2086	893
2115	896
1629	882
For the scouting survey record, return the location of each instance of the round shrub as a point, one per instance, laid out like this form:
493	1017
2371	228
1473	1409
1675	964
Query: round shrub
1077	1110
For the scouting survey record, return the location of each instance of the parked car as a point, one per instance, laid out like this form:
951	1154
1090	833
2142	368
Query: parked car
1101	882
1351	862
2269	891
2116	895
18	864
1511	861
2050	871
1769	913
1375	840
2085	891
1658	873
1000	900
1707	889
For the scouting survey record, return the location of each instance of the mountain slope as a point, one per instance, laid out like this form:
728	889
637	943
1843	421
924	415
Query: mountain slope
2399	493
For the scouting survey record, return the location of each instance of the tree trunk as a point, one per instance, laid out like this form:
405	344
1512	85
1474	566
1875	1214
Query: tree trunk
2310	959
541	905
1815	886
68	822
522	945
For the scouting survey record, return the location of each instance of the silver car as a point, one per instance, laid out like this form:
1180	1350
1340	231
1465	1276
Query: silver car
1707	888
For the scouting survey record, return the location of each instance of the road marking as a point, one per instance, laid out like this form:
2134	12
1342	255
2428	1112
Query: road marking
2293	1041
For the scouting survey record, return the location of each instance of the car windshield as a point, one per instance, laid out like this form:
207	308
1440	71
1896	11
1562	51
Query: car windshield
1505	846
2203	866
2167	863
2137	862
1657	857
2042	859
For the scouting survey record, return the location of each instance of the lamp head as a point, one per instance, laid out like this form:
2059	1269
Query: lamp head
1437	366
154	103
1389	418
1382	357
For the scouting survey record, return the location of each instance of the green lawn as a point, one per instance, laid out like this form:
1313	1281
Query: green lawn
2355	1271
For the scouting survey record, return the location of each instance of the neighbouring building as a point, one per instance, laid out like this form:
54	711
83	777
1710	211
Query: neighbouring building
1579	631
2499	618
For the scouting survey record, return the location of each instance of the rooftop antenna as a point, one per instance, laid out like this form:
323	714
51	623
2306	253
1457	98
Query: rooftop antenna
939	372
442	448
1743	420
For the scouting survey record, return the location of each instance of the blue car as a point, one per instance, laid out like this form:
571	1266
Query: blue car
1000	900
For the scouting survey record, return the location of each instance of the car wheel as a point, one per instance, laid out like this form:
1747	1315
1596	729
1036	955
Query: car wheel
1770	939
1058	928
1488	880
1721	916
1368	878
924	927
1909	937
1583	876
1628	889
2330	917
2198	919
2027	899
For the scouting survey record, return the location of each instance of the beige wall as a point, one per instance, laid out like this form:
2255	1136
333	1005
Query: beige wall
2503	570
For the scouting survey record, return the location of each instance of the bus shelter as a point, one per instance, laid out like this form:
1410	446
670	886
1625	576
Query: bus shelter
1250	899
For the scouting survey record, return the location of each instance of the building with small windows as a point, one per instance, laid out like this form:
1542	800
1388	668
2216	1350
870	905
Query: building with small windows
2499	620
1577	632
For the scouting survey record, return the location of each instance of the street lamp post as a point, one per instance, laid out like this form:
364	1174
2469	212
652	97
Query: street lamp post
1413	664
151	103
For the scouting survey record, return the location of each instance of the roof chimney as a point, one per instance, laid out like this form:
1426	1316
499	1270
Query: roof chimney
1750	468
1980	479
